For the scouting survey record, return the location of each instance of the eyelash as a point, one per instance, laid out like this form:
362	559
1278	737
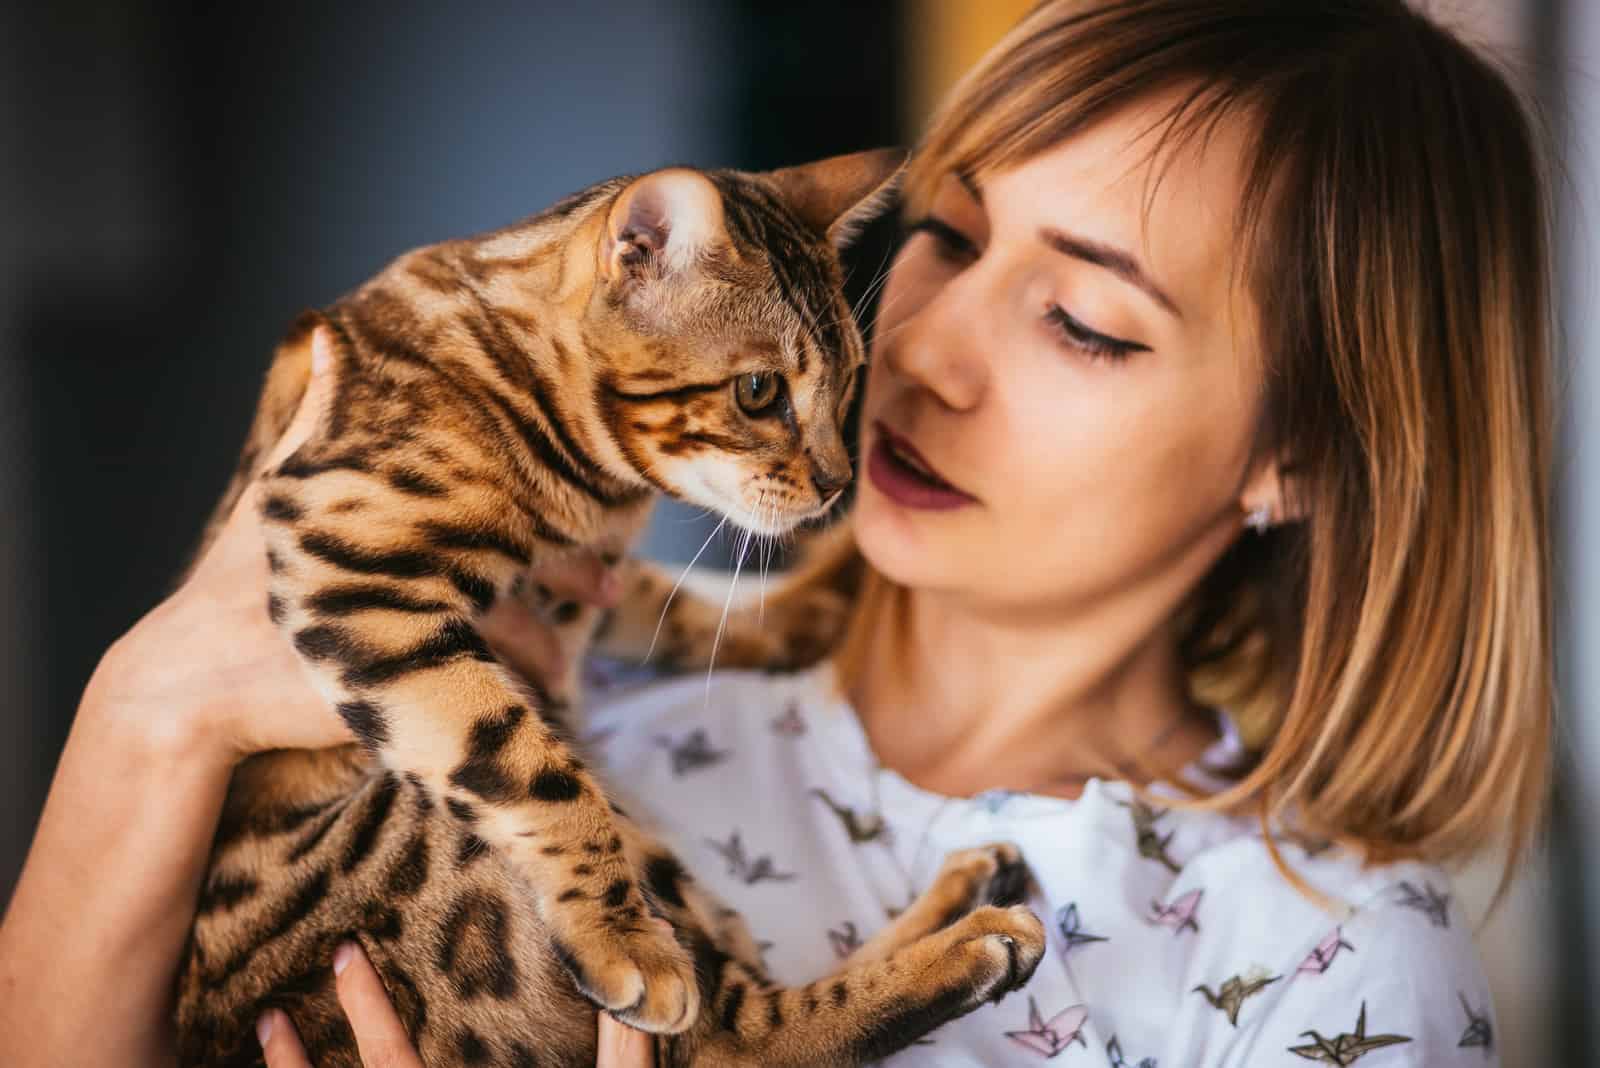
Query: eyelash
952	245
1096	345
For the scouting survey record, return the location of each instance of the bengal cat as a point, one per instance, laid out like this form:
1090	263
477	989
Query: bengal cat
497	402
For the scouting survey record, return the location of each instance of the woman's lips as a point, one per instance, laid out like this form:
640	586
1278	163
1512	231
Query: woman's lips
901	473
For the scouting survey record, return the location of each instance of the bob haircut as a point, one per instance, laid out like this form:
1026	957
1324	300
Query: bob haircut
1388	657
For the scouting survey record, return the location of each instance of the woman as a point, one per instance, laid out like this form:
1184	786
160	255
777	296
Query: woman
1214	368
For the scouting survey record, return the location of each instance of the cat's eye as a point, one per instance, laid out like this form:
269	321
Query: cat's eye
756	393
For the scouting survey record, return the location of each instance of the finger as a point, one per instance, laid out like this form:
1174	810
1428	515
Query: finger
581	576
526	644
279	1044
623	1047
380	1036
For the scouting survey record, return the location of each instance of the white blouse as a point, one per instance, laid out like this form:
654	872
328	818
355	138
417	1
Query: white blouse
1173	939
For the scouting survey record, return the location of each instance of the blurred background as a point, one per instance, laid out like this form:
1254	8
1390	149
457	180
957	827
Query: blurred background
177	181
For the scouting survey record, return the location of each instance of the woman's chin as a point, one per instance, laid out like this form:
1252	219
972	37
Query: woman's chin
897	547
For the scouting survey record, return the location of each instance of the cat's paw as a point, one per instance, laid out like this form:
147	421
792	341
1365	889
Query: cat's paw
804	626
998	949
986	875
639	974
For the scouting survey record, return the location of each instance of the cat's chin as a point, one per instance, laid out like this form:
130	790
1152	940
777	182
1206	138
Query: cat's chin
767	521
770	518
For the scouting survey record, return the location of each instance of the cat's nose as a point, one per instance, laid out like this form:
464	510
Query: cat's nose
829	481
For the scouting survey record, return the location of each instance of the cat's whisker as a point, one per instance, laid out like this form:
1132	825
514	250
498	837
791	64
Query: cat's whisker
675	586
738	562
878	280
881	337
766	558
882	311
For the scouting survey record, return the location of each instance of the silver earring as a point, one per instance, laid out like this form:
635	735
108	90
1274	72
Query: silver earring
1260	518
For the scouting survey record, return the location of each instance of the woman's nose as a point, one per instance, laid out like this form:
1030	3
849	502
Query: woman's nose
941	348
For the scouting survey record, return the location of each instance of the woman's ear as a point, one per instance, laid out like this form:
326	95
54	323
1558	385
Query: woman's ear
1273	494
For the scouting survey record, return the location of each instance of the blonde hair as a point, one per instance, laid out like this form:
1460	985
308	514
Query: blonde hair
1390	656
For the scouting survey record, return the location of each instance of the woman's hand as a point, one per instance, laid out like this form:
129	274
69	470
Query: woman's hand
382	1039
209	670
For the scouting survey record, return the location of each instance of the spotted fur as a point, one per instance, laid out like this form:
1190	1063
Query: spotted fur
499	401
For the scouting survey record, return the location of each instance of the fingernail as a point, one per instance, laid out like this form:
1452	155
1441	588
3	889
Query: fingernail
264	1024
341	957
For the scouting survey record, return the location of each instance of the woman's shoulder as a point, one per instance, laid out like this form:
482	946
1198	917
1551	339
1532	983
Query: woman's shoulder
1386	959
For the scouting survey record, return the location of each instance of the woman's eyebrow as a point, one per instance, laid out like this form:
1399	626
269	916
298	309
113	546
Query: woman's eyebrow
1120	263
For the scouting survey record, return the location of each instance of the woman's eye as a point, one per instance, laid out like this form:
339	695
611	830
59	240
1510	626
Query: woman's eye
756	393
950	243
1092	342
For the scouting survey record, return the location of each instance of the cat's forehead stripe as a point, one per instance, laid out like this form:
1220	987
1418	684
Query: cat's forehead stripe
757	218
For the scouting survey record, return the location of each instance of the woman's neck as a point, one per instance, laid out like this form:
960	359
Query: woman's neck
959	700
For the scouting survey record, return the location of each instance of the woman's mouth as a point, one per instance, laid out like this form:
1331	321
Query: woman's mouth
901	473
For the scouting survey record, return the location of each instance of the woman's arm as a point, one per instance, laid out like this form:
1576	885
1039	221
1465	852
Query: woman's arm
90	942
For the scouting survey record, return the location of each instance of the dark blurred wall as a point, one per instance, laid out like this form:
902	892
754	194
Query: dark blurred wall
176	184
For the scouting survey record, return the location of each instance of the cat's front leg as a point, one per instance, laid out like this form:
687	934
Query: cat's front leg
967	880
380	601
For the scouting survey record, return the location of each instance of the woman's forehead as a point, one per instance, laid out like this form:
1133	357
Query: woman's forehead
1171	204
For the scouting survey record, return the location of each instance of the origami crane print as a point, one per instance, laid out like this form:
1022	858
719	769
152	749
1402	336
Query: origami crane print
692	753
789	723
1434	904
741	867
845	939
1478	1032
1114	1055
1151	843
1231	997
1071	928
861	828
1179	915
1347	1048
1049	1037
1318	960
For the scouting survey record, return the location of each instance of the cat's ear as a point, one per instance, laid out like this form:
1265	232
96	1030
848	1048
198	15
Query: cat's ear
836	197
670	217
